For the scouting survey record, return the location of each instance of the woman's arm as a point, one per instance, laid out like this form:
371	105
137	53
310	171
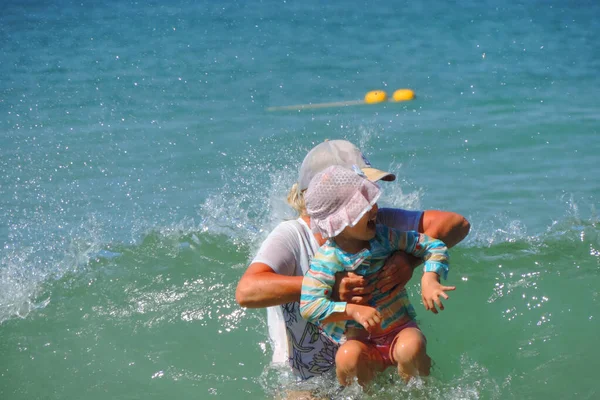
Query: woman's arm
272	279
451	228
260	286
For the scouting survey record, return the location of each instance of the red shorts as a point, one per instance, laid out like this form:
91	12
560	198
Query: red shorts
385	343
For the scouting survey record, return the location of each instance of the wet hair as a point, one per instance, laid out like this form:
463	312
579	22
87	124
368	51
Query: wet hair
295	199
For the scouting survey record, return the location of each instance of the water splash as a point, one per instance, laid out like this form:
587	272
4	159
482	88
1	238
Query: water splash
25	268
471	381
249	209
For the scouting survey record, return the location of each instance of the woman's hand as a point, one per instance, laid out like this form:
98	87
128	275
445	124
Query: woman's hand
431	290
367	316
397	271
351	288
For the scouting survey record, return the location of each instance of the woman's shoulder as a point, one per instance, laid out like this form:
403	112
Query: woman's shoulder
286	249
399	218
290	225
290	228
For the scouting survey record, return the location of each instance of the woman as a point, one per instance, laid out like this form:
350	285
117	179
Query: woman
274	278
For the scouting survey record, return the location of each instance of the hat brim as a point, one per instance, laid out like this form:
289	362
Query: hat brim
374	175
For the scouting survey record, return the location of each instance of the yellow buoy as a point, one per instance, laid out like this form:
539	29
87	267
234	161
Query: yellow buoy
403	95
375	96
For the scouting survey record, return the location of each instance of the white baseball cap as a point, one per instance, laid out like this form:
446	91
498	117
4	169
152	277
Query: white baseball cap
337	152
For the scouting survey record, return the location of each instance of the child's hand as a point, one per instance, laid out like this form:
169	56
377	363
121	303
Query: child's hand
367	316
431	290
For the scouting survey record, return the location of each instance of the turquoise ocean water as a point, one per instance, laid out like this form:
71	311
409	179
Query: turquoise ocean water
140	170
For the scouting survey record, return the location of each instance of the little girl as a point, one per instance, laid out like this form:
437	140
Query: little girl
342	205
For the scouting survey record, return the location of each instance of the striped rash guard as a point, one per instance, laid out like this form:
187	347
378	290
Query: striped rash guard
316	304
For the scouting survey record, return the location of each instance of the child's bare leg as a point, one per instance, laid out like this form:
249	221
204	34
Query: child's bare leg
300	395
356	359
410	353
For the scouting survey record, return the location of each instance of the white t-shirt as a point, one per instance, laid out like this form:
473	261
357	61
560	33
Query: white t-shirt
288	250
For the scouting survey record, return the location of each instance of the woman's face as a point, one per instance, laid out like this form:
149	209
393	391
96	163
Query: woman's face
364	228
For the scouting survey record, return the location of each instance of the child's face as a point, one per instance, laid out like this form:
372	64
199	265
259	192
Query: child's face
364	228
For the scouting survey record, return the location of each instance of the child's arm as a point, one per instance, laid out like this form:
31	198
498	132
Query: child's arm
315	299
435	254
367	316
433	251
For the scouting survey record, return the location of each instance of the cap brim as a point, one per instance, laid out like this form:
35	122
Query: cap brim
374	175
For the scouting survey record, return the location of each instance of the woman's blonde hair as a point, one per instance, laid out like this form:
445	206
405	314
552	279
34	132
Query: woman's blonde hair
295	199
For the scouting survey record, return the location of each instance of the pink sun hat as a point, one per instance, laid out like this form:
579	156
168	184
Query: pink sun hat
338	197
